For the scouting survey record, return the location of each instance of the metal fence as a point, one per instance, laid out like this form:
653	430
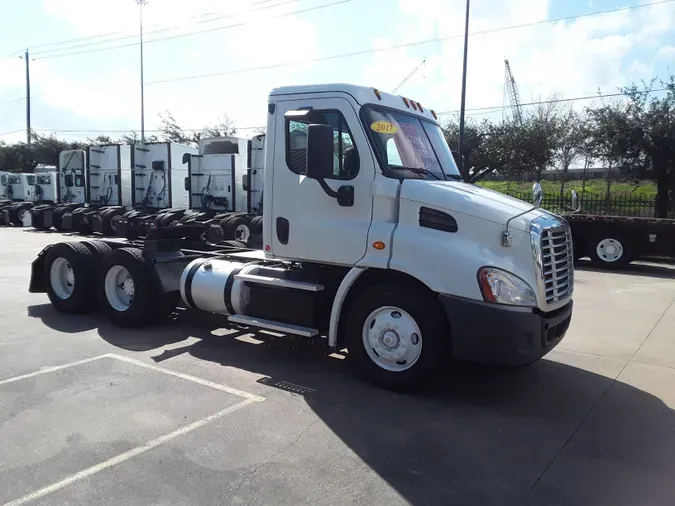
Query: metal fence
619	205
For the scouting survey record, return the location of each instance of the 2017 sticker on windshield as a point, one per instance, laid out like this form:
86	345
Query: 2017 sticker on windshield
383	127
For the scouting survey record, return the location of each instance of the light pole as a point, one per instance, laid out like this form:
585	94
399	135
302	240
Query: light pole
463	103
141	3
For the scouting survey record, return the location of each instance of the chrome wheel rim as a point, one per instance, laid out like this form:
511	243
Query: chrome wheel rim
62	278
392	339
609	250
119	288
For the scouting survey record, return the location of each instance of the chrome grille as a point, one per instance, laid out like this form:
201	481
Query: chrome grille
557	263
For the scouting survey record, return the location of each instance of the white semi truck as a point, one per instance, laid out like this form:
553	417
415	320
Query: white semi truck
371	239
27	191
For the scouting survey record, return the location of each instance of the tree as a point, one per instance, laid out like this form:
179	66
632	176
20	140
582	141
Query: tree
170	131
571	145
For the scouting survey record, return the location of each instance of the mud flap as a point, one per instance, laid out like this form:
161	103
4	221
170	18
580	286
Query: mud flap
37	272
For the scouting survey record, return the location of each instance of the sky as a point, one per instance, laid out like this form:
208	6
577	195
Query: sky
224	56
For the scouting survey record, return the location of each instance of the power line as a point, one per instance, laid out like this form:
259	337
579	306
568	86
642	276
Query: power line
14	100
498	108
133	36
198	32
57	43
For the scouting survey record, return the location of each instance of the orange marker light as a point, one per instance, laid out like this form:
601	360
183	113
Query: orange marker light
420	106
434	114
413	104
377	93
379	245
407	104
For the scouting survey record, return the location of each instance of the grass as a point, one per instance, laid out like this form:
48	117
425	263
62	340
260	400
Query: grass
595	188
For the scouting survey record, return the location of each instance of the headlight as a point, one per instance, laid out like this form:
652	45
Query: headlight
502	287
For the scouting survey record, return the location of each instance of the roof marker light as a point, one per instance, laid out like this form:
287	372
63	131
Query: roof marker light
377	93
407	104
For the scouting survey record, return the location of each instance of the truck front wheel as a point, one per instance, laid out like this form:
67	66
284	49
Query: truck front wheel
611	251
398	336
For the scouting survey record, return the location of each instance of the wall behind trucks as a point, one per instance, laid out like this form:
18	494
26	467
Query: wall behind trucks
104	175
72	177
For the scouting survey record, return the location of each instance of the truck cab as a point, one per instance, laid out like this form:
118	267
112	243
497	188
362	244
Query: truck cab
363	179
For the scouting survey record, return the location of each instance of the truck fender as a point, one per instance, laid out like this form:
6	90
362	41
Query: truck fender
338	302
37	272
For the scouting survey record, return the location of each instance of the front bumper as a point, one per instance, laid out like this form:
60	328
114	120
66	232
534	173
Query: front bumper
492	334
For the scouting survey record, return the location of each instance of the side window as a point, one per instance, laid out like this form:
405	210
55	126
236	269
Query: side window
3	180
345	156
79	181
68	180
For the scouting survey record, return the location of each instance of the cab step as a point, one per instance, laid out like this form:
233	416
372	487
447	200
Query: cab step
279	282
286	328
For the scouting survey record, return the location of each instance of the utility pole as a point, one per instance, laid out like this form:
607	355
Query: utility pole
140	6
28	136
463	104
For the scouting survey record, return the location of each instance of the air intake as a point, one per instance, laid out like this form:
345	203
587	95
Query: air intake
439	220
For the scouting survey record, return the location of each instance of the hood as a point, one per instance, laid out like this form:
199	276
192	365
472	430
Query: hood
471	200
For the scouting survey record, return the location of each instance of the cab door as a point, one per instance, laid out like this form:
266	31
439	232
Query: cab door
307	223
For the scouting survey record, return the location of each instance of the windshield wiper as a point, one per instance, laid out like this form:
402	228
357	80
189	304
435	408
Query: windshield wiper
420	170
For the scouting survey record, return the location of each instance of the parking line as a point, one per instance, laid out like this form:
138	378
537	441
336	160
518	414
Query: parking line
134	452
45	370
206	383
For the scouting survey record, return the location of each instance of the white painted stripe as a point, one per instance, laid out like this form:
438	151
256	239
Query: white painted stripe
134	452
217	386
45	370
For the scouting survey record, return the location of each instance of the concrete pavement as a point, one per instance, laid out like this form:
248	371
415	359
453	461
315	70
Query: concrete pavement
192	412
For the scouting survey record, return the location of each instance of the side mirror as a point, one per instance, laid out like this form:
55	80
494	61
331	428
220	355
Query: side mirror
576	207
319	151
186	181
245	181
537	195
186	157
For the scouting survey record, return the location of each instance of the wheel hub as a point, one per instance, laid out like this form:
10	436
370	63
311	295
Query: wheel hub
392	339
609	250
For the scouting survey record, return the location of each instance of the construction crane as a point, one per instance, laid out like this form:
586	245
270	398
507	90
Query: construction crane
409	76
511	88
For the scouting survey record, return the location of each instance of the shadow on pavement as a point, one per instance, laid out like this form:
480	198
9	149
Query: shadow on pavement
547	434
647	270
478	436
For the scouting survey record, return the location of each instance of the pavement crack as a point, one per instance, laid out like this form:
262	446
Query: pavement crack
273	456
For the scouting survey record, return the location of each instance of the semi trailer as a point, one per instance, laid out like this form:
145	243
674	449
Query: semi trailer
371	240
612	242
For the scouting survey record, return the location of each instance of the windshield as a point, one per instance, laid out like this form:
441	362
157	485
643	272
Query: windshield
30	180
409	147
44	179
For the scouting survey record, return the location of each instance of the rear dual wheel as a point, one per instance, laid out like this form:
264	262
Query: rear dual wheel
129	291
70	272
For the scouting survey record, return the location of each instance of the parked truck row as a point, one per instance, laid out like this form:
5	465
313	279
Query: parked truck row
370	239
121	190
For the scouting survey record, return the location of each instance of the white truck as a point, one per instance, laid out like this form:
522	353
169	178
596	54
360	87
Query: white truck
371	239
27	191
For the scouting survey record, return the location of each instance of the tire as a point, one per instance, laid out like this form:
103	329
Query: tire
610	251
238	228
134	304
17	212
109	228
71	292
98	249
377	305
257	224
57	217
